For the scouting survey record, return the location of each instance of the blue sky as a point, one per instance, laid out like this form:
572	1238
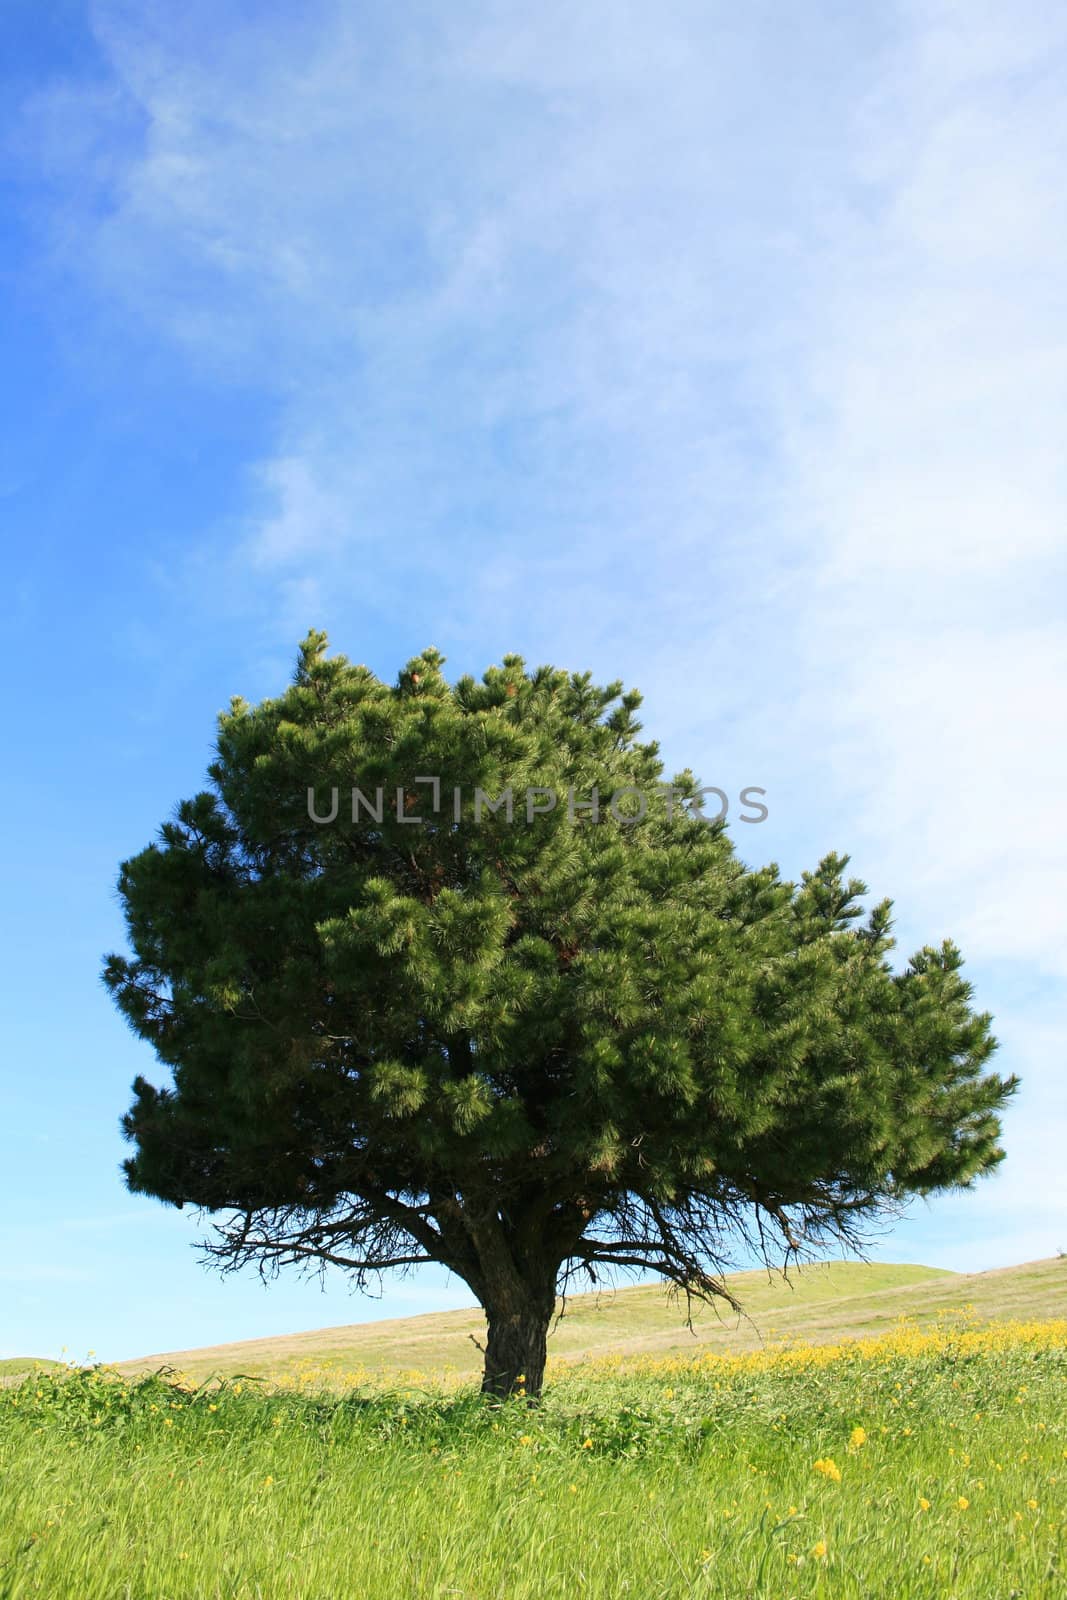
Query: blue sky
720	349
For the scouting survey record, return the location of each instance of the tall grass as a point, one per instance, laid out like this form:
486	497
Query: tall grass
918	1464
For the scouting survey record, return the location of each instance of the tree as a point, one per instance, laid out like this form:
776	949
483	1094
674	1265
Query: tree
523	1048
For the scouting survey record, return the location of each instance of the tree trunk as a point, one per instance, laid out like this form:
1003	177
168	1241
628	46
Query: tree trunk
516	1348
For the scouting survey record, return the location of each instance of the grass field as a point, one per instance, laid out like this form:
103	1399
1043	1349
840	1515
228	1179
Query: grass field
820	1304
923	1461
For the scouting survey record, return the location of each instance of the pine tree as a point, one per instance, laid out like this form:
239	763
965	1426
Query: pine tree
525	1049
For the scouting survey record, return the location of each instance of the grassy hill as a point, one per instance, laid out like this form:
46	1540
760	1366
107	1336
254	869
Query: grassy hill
897	1469
11	1366
820	1304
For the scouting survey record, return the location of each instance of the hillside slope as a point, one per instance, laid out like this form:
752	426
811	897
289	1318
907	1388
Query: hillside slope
821	1304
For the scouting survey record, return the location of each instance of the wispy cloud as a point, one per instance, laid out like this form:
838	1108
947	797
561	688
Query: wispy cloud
926	461
723	348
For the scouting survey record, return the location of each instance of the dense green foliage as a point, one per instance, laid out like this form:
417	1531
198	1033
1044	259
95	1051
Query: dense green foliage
519	1048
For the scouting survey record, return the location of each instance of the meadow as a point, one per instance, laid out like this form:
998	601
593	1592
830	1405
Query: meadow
821	1303
927	1460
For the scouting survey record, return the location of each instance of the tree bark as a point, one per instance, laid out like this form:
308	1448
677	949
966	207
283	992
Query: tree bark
516	1347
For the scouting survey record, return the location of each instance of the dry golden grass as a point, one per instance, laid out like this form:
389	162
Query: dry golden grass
820	1304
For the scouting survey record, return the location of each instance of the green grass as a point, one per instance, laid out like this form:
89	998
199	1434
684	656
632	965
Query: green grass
643	1478
368	1466
819	1304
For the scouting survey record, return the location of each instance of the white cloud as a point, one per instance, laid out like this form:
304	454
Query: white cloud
928	464
306	517
723	348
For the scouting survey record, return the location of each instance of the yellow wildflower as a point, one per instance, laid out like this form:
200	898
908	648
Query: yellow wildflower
818	1550
924	1504
828	1467
962	1502
856	1438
